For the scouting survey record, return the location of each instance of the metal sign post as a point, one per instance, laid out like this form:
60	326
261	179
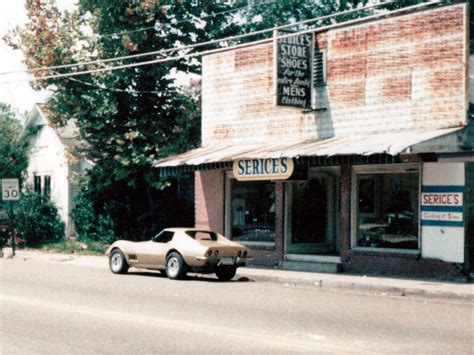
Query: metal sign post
11	192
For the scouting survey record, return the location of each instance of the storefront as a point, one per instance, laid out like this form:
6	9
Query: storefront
373	173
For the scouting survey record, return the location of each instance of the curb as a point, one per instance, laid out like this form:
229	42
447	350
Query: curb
416	289
366	289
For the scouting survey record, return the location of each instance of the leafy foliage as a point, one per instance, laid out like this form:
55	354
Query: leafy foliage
13	144
37	220
90	225
131	117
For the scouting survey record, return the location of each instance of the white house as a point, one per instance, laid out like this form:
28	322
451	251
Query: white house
54	165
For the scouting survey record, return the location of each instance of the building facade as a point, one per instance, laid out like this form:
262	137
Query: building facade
54	168
364	163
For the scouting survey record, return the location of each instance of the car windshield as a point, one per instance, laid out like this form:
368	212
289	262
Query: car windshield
202	235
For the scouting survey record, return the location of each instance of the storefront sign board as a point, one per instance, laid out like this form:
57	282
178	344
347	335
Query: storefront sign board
263	169
442	205
442	211
294	70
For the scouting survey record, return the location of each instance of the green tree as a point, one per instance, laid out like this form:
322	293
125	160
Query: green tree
133	116
13	144
129	117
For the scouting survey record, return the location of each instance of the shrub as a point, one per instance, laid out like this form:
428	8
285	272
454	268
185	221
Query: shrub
89	225
37	220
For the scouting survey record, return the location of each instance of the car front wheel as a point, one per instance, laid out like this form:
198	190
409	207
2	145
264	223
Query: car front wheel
117	262
175	268
226	273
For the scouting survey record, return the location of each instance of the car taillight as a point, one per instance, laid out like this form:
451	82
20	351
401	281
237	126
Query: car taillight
216	252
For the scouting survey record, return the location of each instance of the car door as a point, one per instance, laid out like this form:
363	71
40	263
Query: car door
153	252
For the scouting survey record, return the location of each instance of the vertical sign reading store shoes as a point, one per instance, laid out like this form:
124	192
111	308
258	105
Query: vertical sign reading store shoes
294	69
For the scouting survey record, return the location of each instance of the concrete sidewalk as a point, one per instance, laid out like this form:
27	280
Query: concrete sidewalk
433	289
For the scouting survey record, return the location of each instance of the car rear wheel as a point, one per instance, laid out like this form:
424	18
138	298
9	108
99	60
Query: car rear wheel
175	268
226	273
117	262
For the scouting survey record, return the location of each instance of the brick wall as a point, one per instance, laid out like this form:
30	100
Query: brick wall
400	73
209	200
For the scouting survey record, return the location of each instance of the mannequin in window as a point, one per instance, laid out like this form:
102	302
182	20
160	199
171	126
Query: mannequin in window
239	207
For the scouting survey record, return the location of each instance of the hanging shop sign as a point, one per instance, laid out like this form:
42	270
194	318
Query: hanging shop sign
294	59
263	169
442	205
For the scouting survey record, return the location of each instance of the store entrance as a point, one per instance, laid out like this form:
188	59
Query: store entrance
311	216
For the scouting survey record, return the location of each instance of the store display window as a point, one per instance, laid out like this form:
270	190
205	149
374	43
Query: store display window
253	211
387	206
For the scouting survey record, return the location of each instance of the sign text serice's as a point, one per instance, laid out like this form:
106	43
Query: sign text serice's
263	169
294	58
442	206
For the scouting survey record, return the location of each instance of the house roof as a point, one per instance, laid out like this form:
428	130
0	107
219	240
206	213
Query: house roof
68	134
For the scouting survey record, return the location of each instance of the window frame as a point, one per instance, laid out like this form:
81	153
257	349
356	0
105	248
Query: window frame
160	236
381	169
47	186
37	186
229	176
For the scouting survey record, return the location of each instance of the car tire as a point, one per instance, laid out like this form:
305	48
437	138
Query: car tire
117	262
175	266
226	273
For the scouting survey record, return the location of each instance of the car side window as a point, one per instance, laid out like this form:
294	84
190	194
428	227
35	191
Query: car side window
164	237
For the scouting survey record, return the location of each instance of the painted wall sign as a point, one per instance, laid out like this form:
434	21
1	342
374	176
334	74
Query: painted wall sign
263	169
442	205
294	64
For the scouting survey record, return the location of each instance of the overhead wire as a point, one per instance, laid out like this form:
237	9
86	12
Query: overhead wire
206	43
217	50
132	56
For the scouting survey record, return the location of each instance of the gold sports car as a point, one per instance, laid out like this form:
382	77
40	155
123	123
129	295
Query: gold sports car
177	251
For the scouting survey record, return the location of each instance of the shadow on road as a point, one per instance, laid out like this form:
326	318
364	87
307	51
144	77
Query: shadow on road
193	277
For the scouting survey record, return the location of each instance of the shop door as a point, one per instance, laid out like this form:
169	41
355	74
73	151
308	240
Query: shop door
310	216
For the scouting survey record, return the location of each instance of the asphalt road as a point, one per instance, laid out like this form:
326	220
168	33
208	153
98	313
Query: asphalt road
59	308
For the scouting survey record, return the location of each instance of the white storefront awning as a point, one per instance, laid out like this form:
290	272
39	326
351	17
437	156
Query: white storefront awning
394	143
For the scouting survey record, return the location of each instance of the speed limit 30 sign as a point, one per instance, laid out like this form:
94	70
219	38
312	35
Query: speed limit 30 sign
10	190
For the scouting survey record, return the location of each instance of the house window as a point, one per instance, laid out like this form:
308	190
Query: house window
47	186
37	184
253	211
387	205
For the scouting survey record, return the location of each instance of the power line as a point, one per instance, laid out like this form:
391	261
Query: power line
207	43
32	70
218	50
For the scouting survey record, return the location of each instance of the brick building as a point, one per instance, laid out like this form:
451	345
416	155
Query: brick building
372	173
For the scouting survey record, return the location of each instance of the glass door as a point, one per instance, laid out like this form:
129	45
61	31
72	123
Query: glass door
310	215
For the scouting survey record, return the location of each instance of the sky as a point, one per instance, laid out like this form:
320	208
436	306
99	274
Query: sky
19	93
